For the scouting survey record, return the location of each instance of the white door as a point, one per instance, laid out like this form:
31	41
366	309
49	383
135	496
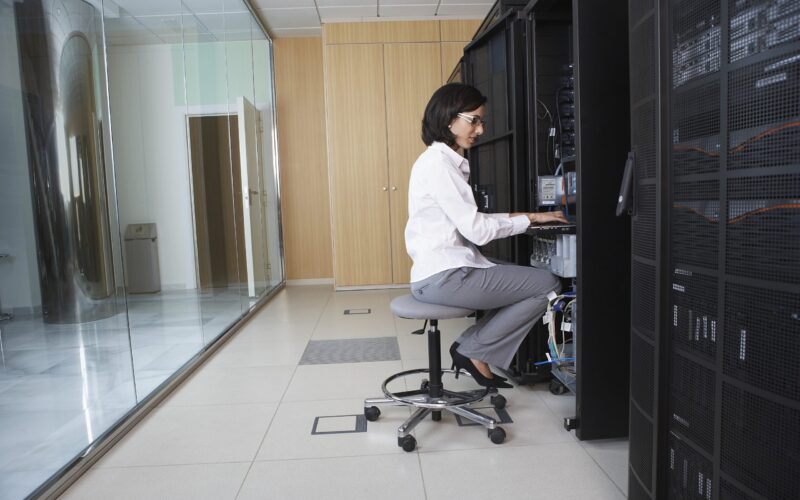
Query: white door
252	198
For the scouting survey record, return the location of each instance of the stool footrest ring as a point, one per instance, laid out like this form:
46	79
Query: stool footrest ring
449	399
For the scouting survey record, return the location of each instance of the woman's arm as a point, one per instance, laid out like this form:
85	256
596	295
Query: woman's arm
543	217
454	196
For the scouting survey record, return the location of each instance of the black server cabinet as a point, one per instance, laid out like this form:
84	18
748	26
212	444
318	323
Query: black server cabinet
493	63
592	37
715	113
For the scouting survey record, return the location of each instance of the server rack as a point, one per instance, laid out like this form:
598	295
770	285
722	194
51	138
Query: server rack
522	48
715	109
591	37
494	64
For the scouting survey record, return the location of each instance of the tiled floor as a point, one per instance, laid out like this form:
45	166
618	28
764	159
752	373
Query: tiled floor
62	385
241	427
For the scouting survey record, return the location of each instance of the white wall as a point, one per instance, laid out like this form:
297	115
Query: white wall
19	276
149	105
150	154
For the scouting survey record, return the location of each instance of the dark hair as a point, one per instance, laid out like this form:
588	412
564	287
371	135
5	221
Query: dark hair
447	102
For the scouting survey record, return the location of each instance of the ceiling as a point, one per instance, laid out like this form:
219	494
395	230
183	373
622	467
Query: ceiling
304	17
162	21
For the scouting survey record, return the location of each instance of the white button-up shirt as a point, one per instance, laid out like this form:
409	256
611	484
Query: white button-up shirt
444	226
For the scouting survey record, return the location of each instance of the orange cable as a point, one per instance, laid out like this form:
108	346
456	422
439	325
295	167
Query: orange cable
740	218
743	145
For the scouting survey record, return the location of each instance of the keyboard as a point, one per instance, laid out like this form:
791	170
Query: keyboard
550	229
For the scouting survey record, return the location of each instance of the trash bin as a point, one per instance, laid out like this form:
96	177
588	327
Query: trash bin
141	259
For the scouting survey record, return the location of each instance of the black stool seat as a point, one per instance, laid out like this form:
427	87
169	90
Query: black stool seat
432	397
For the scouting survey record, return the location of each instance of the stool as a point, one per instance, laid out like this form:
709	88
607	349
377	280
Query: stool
432	397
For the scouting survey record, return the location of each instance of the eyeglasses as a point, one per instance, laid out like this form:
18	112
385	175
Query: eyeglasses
473	120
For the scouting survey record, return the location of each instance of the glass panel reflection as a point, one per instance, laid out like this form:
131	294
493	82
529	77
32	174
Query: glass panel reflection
65	365
118	265
147	100
215	166
241	99
263	82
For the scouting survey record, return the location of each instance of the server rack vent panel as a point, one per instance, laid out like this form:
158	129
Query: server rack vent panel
764	114
642	52
759	25
695	130
690	474
642	381
695	223
692	401
694	312
762	339
695	40
635	489
643	128
643	298
727	491
637	11
493	189
760	444
763	228
641	448
644	230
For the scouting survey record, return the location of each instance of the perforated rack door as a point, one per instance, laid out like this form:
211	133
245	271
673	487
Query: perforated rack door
643	20
733	172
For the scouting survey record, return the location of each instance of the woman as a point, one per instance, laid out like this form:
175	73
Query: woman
444	230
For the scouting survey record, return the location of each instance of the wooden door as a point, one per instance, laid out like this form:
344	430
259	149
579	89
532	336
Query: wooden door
252	198
413	73
356	117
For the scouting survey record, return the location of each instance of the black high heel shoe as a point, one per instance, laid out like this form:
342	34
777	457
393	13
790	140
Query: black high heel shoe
455	346
461	362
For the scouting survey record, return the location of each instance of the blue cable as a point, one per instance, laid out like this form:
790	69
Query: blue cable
553	361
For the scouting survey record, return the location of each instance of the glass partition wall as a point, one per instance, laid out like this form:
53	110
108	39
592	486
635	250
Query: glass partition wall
139	209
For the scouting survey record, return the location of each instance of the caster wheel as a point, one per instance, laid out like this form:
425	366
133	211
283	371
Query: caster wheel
557	388
499	402
424	385
497	435
372	413
408	443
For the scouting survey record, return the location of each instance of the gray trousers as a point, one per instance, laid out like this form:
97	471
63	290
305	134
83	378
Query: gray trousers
514	298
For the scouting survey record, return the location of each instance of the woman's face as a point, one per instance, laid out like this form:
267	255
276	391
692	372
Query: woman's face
466	127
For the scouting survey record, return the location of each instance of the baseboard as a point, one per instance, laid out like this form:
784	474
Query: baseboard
321	281
368	287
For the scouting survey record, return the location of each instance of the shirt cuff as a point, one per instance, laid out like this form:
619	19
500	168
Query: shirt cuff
521	223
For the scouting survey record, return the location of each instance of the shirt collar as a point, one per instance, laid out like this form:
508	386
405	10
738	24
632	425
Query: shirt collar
456	159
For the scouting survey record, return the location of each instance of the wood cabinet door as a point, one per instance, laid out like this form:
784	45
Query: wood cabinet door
356	117
413	73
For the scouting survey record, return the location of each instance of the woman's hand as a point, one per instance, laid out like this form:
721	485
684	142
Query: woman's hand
544	217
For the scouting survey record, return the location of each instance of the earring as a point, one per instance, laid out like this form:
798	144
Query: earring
449	126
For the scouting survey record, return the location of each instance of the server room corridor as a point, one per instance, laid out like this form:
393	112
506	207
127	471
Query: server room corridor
241	426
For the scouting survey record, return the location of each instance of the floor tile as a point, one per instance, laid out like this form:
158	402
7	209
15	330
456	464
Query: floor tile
562	471
385	477
196	482
16	485
289	436
233	385
238	353
259	330
175	435
347	381
348	328
612	456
